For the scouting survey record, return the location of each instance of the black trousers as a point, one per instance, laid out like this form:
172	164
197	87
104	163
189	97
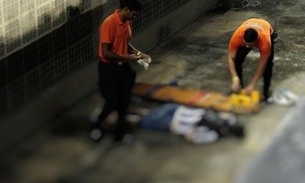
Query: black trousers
241	54
115	84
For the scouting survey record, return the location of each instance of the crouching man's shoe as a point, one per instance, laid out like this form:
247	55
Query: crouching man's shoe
97	132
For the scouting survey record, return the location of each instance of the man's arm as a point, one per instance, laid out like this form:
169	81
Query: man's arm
235	85
106	48
231	64
133	50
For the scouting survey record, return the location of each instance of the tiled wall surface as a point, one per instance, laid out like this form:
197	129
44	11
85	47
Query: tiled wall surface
25	21
42	41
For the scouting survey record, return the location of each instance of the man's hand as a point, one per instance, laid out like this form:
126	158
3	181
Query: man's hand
144	59
134	57
235	86
145	56
248	90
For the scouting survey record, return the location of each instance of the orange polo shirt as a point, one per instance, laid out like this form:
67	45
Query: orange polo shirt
264	31
115	32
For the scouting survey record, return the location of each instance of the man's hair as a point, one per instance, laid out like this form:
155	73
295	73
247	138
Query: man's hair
132	5
250	35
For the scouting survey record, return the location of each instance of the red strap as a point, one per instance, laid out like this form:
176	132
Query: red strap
197	97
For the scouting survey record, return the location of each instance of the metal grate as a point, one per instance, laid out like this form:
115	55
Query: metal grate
2	45
27	23
59	14
32	83
45	49
1	10
26	5
147	17
15	67
3	73
59	38
47	74
16	93
85	5
44	20
61	66
10	9
31	57
75	60
3	101
157	9
12	35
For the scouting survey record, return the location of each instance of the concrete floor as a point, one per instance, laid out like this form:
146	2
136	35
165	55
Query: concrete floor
61	151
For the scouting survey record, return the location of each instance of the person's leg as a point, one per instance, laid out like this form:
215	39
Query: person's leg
126	84
267	79
108	85
268	74
107	109
240	57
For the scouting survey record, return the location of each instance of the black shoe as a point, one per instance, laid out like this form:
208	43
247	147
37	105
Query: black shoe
96	134
267	100
127	138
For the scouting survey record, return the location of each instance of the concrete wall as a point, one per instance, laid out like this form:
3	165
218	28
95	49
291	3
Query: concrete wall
78	85
167	26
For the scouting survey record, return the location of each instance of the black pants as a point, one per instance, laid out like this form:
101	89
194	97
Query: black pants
241	54
115	84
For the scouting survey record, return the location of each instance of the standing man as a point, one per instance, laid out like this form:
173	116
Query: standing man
252	33
116	78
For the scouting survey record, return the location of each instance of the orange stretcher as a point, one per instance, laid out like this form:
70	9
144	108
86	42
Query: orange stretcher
237	103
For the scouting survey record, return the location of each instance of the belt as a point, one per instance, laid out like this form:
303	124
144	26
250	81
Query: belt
114	63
